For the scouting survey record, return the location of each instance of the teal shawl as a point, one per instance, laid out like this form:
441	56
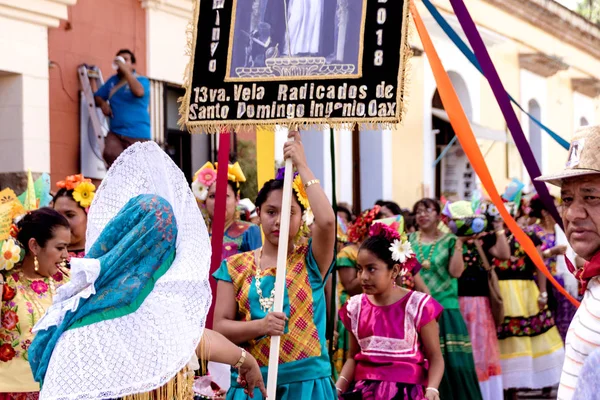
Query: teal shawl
135	249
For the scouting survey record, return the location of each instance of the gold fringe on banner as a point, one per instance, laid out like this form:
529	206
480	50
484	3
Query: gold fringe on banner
367	123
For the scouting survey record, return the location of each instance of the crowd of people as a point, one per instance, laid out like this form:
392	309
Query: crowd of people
437	302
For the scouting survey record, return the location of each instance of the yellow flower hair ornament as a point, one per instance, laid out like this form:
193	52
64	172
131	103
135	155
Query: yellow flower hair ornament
308	217
84	194
83	189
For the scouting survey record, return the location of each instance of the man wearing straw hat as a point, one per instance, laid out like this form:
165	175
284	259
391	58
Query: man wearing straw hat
580	193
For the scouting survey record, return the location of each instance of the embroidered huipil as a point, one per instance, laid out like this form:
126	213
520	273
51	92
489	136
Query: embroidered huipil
390	347
303	355
24	301
241	237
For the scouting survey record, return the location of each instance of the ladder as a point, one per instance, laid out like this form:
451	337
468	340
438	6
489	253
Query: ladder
88	75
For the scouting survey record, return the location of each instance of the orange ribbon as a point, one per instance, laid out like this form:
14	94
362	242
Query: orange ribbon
467	140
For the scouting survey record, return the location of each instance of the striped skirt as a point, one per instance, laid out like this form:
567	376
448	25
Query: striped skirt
460	378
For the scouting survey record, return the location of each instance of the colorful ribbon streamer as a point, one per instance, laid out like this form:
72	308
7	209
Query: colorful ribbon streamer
445	151
465	135
218	221
512	122
462	46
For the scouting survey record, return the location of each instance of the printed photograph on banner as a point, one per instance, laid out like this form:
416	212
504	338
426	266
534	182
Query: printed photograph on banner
309	62
295	39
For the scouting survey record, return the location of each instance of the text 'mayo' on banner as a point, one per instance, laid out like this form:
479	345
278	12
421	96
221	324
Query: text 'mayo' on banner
268	62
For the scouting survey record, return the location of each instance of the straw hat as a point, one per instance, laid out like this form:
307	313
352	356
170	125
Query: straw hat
584	157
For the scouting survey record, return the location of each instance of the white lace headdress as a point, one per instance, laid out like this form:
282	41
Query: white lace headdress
144	350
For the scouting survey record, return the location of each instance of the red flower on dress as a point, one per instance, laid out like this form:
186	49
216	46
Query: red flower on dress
58	276
514	326
7	353
8	293
40	287
10	319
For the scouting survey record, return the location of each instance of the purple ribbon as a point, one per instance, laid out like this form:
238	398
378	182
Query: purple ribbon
501	95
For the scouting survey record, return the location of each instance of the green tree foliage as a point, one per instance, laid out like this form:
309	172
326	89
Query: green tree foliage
589	9
246	155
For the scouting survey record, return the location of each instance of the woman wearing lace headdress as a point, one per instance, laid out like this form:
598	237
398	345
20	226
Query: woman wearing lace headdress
130	324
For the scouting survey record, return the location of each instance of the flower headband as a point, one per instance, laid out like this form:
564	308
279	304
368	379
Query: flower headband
207	175
83	189
360	228
400	246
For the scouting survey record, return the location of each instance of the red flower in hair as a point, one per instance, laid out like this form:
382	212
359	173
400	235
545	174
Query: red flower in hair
384	231
360	228
14	231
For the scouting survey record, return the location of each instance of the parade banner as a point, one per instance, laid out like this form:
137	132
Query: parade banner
289	62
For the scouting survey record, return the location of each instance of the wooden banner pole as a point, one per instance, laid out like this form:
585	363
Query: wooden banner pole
280	279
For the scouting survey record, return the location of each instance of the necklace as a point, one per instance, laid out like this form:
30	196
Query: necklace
266	304
426	263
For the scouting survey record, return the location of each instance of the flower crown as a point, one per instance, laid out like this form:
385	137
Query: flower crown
307	217
400	247
83	189
360	228
207	175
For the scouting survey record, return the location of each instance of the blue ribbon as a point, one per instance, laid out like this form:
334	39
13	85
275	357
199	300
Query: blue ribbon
445	151
467	52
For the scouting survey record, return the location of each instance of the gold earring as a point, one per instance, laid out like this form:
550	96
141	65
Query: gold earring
36	264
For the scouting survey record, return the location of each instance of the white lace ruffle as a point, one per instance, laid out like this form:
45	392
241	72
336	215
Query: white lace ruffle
84	272
143	350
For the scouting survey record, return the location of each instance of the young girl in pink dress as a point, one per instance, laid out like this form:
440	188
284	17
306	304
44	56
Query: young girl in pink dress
394	341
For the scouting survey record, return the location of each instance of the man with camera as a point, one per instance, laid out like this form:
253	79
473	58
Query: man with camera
124	99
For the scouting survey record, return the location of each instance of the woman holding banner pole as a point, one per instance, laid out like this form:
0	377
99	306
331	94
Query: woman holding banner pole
245	291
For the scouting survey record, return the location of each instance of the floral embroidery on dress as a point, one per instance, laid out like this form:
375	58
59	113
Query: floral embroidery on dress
531	326
15	331
517	261
40	287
